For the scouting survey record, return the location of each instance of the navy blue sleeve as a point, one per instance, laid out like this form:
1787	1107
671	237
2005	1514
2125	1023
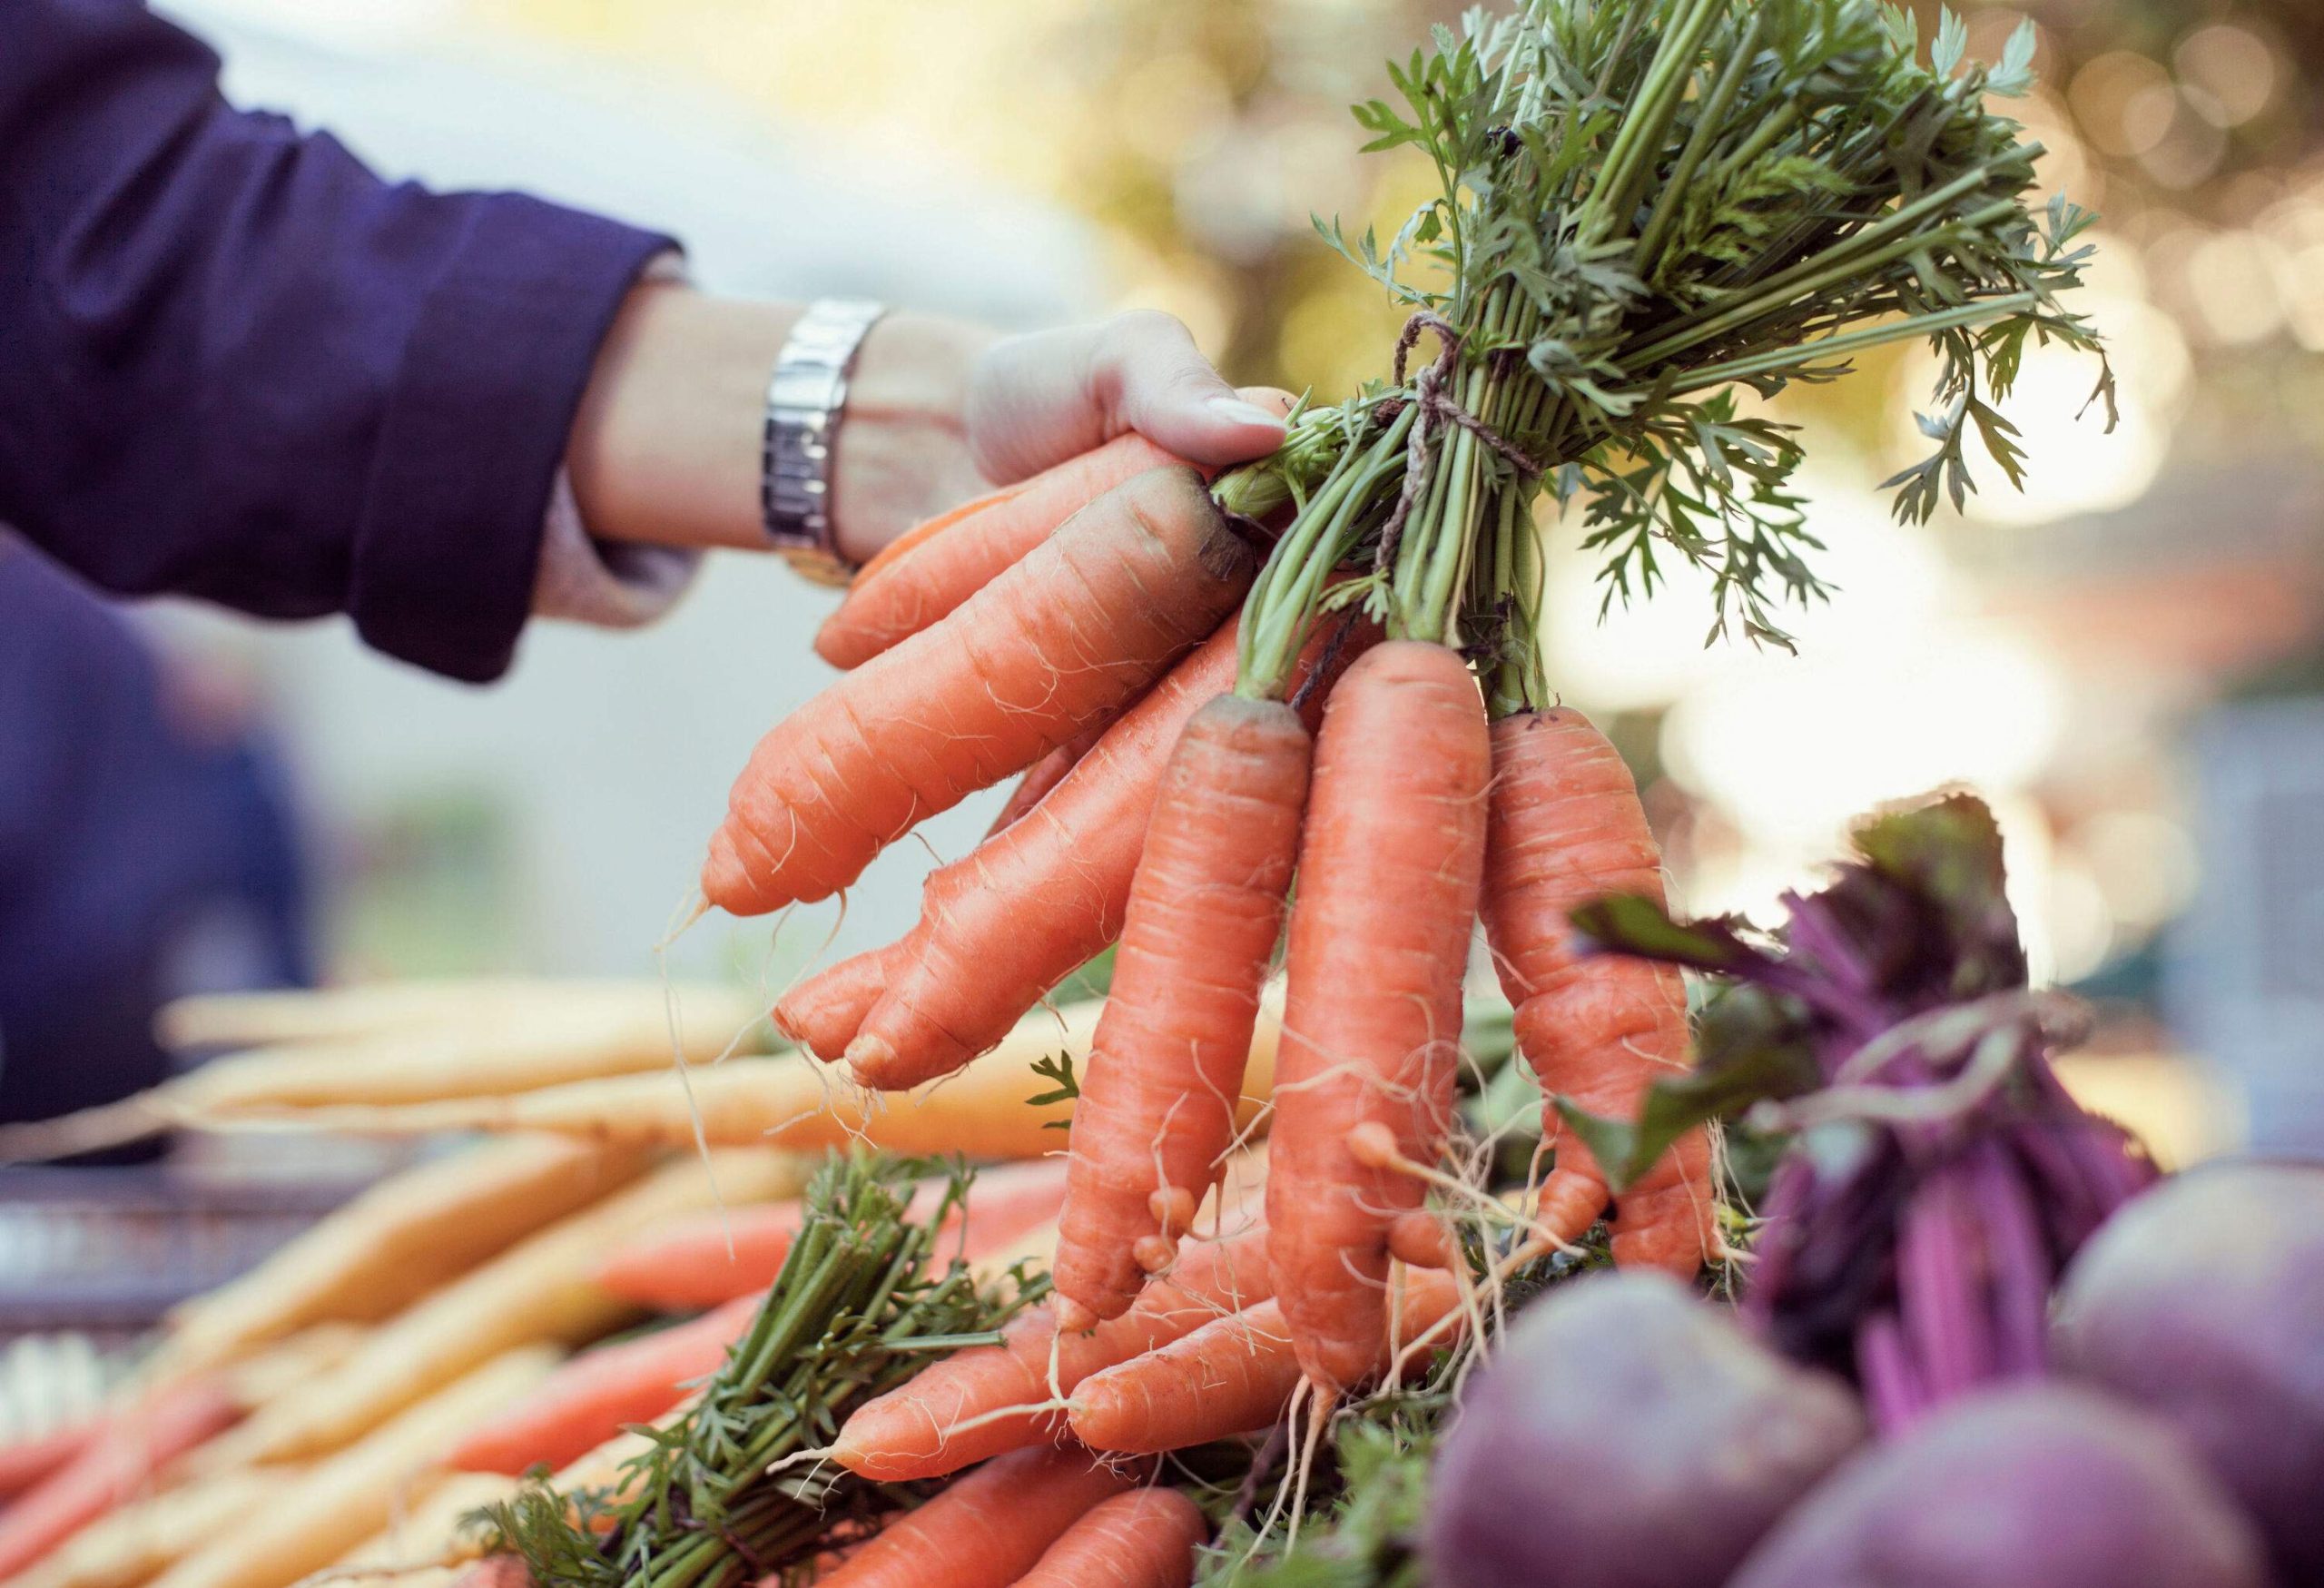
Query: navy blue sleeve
235	364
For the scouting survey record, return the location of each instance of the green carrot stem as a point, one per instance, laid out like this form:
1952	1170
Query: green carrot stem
1709	120
1921	325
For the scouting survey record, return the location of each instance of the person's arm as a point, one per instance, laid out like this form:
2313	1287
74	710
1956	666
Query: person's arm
667	447
235	364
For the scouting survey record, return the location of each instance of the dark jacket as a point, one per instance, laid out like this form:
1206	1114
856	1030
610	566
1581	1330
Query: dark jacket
128	840
235	364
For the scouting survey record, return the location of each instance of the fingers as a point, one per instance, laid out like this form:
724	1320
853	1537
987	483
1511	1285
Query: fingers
1036	401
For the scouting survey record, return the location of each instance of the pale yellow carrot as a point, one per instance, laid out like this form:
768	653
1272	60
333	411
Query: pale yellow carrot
793	1103
602	1467
547	1047
405	1237
427	1529
250	1020
283	1366
313	1520
538	1291
547	1041
146	1537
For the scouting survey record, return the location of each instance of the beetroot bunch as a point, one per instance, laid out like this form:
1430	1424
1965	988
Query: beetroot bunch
1939	1178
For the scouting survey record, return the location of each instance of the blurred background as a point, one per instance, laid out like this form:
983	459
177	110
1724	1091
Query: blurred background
2127	657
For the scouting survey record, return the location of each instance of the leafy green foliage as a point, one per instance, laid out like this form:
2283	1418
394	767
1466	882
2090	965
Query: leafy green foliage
1367	1539
1946	858
1068	1087
1644	205
860	1305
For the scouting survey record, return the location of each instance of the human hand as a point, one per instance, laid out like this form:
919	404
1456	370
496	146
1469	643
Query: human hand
939	412
665	448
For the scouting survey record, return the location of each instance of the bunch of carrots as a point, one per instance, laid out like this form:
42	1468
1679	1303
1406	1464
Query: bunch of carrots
1327	666
1107	635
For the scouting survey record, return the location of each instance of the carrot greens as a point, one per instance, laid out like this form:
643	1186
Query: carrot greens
1646	210
862	1304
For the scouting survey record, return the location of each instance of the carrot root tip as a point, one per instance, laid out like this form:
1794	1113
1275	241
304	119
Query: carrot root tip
1172	1208
1153	1253
1073	1318
1374	1144
867	1057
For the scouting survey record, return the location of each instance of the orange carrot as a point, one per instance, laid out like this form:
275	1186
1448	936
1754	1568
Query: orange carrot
706	1259
1565	827
1232	1375
596	1394
987	1529
922	1429
824	1011
1157	1110
1007	1203
1421	1239
931	570
1389	869
918	535
118	1460
28	1461
1007	921
1056	642
1044	775
1144	1539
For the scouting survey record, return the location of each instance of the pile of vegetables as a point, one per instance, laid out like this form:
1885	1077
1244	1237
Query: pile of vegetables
879	1389
735	1325
588	1293
1327	665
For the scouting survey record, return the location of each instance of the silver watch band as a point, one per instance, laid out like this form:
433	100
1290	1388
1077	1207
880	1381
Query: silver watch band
805	396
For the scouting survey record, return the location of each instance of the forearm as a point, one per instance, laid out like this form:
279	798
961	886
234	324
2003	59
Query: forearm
235	364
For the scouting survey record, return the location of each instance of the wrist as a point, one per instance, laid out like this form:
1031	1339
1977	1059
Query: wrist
668	445
900	447
665	447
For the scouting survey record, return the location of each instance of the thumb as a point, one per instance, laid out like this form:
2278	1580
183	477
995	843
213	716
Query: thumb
1036	401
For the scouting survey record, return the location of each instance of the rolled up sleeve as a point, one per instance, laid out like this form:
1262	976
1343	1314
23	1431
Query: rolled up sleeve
236	364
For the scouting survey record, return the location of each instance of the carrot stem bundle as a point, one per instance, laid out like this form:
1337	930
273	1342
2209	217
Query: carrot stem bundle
1566	828
1058	642
1390	866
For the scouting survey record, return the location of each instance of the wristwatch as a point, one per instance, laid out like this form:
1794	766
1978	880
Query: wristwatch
805	397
